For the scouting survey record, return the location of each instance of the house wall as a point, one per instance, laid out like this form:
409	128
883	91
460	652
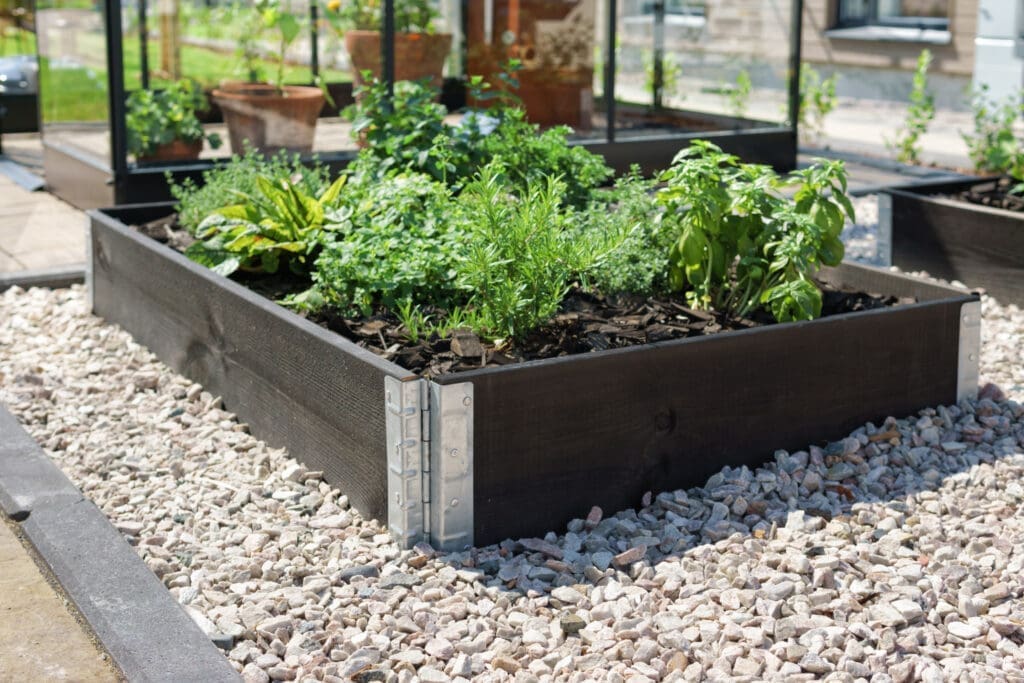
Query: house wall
883	69
954	59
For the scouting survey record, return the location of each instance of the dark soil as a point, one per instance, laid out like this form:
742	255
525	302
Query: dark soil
586	322
995	194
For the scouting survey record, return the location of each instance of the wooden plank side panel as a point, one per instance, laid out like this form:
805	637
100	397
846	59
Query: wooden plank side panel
555	438
298	386
979	248
881	281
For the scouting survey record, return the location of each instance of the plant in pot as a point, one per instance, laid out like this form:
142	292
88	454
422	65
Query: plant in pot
420	53
162	124
270	116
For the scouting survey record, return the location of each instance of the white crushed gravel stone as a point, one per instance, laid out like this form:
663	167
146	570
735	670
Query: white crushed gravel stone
894	554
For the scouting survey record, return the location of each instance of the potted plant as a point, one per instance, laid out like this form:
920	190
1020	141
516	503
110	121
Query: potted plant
554	43
163	126
270	116
420	53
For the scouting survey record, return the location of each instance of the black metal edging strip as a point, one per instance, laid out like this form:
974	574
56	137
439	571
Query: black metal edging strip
388	49
144	46
115	98
609	73
795	39
146	633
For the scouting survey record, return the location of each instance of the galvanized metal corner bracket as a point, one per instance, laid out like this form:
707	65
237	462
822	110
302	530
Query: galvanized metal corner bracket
429	430
883	243
969	360
90	274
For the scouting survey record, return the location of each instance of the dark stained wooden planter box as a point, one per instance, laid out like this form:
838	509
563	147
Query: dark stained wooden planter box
519	450
977	245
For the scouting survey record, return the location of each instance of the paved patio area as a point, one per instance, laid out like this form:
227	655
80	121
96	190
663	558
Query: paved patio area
40	639
37	230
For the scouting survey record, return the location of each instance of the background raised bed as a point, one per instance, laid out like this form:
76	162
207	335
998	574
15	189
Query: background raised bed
954	240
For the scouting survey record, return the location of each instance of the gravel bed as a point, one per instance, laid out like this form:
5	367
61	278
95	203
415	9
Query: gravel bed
894	554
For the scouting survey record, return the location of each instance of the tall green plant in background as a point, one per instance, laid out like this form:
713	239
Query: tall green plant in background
817	100
739	95
993	146
907	143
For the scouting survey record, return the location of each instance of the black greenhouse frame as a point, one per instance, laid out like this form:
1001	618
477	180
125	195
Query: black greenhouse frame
90	182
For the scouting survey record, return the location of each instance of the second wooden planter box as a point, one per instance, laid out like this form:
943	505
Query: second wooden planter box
476	457
920	228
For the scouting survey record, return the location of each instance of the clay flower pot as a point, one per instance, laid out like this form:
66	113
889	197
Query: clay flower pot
176	150
417	55
268	119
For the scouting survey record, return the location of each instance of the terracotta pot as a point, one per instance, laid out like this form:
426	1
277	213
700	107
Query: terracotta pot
417	55
176	150
268	120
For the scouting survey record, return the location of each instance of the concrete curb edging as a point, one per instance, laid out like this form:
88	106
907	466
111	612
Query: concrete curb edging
63	276
147	634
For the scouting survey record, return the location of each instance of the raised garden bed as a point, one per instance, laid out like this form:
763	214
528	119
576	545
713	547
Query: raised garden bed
930	227
478	456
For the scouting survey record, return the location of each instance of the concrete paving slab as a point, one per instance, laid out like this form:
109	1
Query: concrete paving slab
41	639
37	230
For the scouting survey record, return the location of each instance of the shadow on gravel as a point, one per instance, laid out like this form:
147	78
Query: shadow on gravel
857	491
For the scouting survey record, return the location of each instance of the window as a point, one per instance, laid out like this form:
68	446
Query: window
686	8
921	14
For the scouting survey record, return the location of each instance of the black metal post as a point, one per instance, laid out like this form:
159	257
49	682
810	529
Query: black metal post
143	46
658	82
795	38
314	39
609	71
115	94
388	47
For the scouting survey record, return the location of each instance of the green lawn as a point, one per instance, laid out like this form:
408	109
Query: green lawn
15	41
79	93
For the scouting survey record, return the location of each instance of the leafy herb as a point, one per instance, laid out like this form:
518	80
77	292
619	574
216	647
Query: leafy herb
393	243
280	223
520	257
628	213
741	243
224	183
158	117
410	133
